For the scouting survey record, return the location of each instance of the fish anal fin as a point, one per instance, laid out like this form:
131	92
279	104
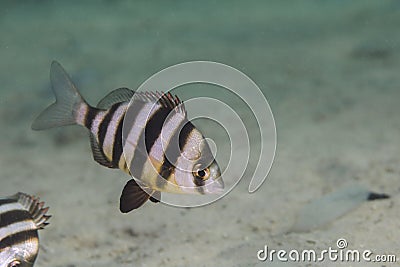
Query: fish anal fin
98	154
132	197
35	208
117	96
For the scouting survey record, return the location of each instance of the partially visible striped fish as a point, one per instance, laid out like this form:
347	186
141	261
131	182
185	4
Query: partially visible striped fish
157	145
21	216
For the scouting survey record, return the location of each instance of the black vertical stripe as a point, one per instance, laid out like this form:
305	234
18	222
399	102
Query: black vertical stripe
148	137
184	134
117	145
89	116
7	201
14	216
104	124
154	127
174	147
172	152
128	125
18	238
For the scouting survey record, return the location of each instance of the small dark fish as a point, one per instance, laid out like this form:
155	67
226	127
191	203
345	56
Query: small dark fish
162	149
376	196
21	216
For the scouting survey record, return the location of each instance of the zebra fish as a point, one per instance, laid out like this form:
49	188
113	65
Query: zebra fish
145	134
21	216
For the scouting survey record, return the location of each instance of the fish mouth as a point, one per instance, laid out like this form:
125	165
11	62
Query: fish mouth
220	184
216	187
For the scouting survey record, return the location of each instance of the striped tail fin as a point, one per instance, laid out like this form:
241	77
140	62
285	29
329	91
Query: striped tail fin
68	101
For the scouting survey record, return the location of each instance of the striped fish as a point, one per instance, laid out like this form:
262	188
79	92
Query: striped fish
146	134
21	216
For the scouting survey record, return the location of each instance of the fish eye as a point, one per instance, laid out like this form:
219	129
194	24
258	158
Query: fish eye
14	263
200	173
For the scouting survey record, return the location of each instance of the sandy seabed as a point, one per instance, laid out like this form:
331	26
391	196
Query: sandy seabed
330	71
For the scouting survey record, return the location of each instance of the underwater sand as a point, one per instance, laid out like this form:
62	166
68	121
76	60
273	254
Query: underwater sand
330	71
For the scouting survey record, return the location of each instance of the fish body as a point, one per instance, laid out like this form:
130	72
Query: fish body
21	216
146	134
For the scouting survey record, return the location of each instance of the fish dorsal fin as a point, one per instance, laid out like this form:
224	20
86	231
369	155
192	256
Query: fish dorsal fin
117	96
133	196
98	154
167	100
35	208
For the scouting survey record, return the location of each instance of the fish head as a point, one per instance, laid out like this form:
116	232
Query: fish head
20	263
15	257
196	170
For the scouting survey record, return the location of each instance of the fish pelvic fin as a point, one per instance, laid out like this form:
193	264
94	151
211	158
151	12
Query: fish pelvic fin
133	196
35	208
68	103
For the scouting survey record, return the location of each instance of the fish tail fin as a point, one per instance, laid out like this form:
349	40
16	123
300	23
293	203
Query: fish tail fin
68	103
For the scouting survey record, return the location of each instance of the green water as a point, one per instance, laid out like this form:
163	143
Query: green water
329	70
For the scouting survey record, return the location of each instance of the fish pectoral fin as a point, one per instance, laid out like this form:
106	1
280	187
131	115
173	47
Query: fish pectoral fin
155	197
98	154
132	197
